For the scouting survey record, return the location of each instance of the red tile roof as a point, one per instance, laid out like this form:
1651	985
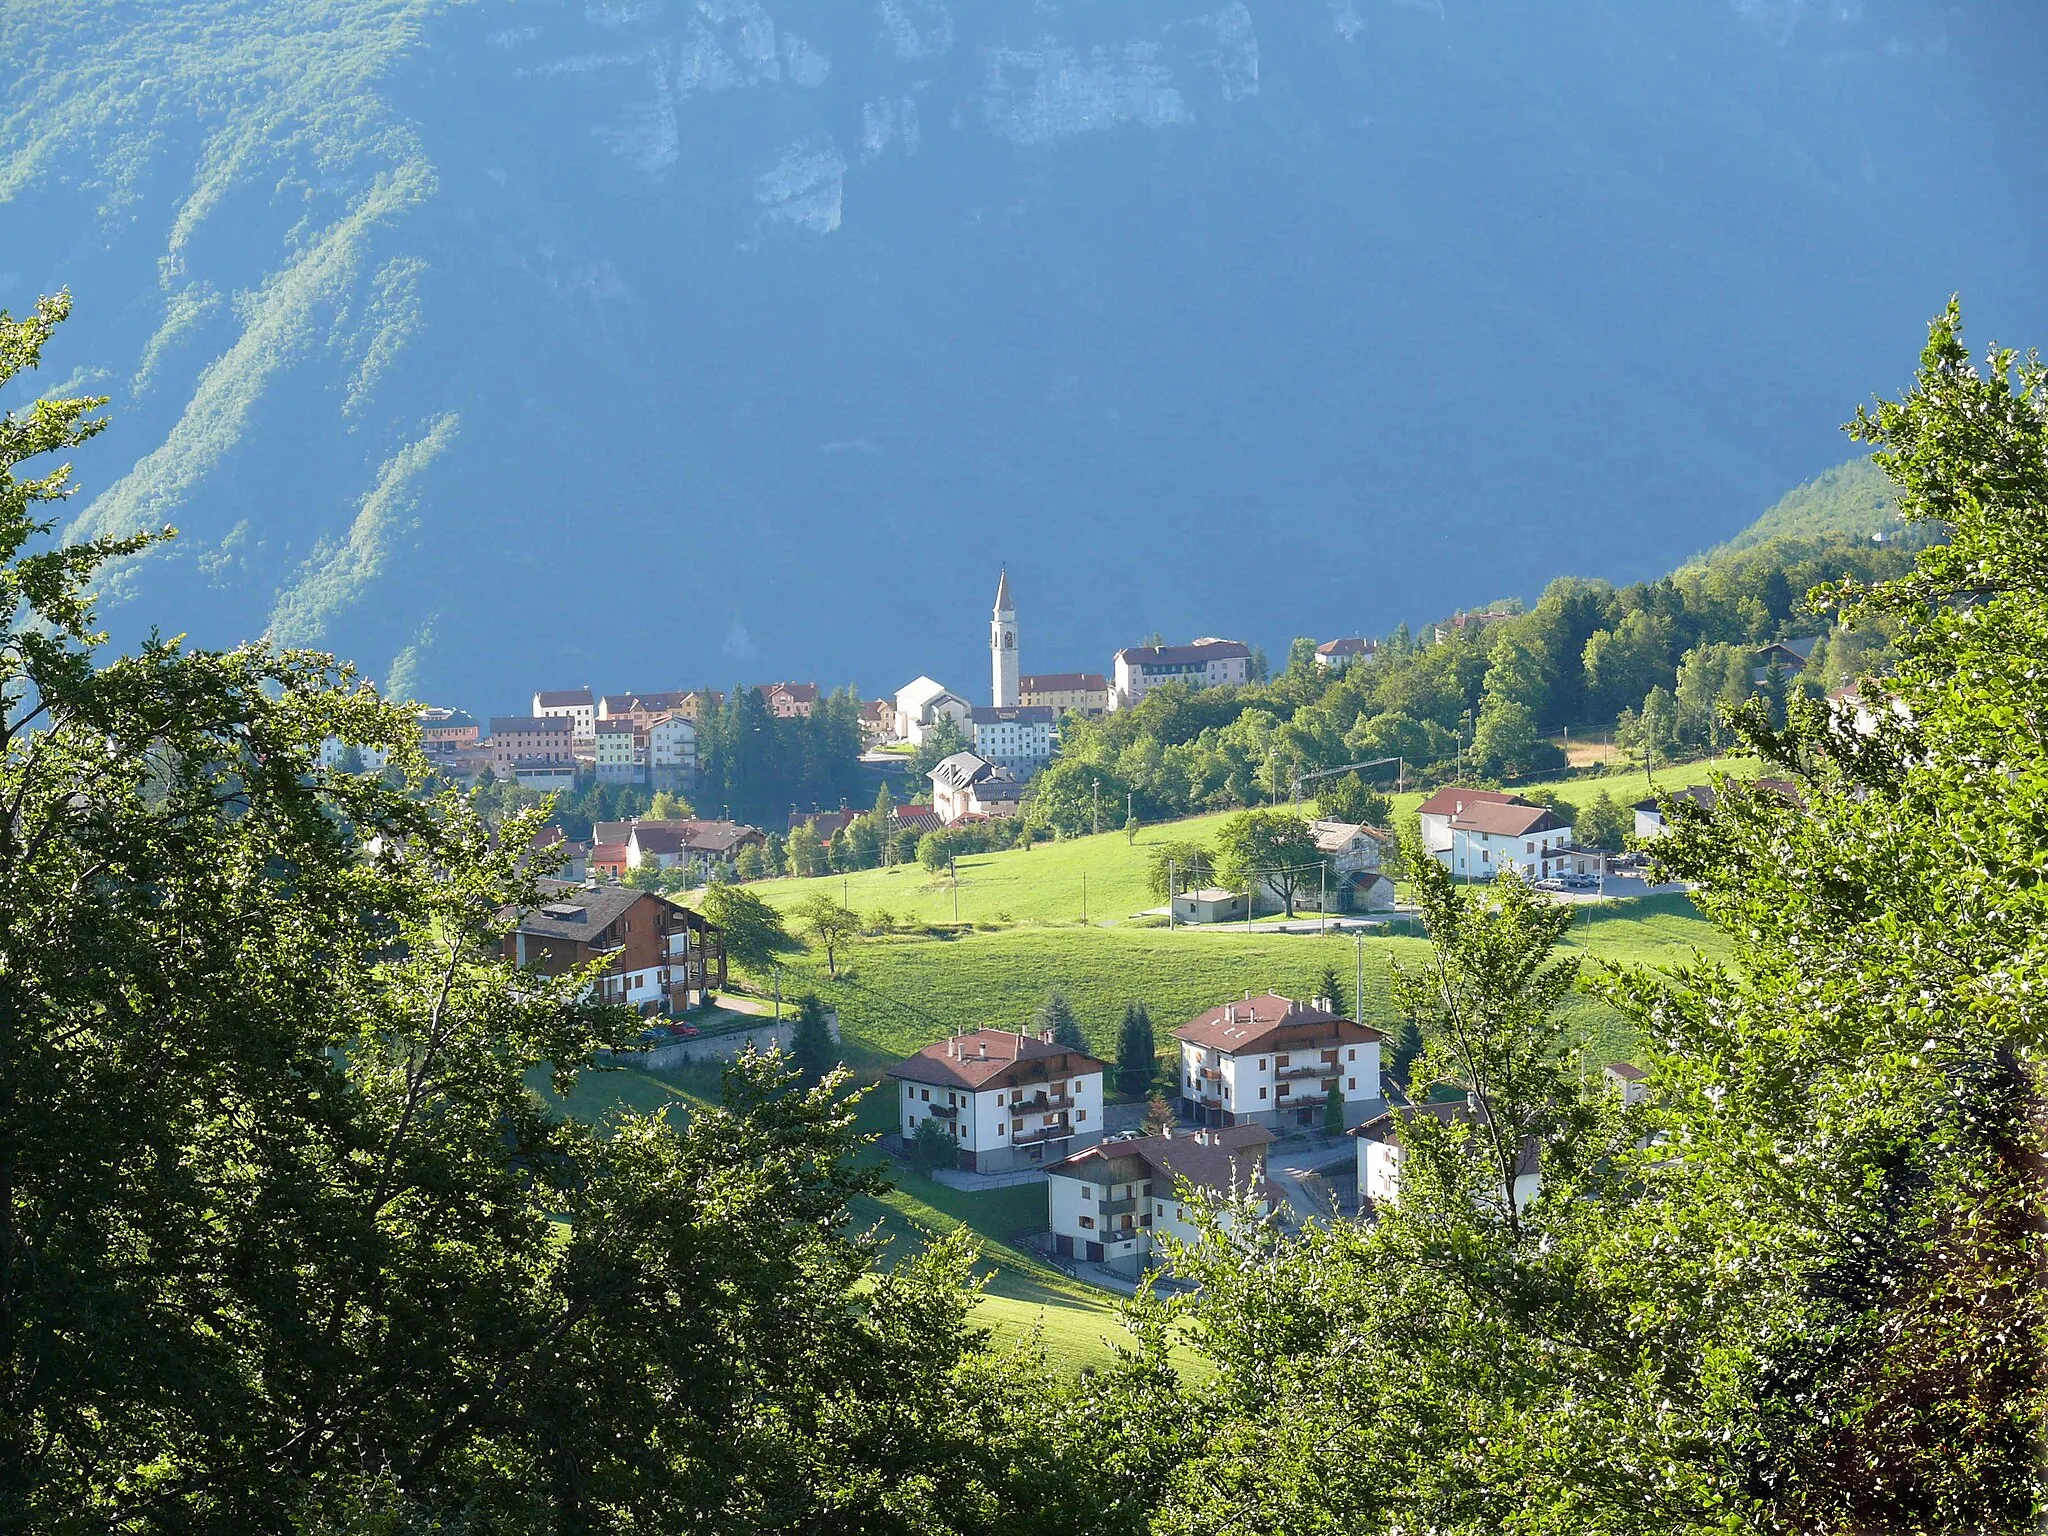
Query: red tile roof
982	1058
1219	1161
1063	682
1258	1022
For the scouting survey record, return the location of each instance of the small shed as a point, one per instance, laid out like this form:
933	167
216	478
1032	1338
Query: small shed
1209	906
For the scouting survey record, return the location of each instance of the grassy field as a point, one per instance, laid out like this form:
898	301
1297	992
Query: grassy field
1106	875
899	994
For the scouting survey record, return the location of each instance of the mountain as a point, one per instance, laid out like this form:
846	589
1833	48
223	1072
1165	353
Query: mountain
503	343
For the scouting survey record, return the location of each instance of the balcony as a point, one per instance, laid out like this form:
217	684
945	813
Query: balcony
1118	1207
1309	1069
1049	1133
943	1111
1042	1105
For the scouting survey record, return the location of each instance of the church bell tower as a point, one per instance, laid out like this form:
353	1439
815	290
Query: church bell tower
1002	645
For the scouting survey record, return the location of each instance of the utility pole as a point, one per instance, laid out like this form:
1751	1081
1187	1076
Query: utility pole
1172	880
1084	895
778	991
1095	807
1323	904
1358	986
953	868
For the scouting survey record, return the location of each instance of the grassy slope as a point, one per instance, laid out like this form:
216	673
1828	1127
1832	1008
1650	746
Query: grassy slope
903	994
1044	884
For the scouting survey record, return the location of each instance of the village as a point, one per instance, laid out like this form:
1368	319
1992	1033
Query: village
994	1108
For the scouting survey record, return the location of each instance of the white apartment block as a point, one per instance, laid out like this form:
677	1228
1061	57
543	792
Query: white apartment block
1271	1061
672	752
1010	1100
574	704
1112	1203
1477	833
1208	663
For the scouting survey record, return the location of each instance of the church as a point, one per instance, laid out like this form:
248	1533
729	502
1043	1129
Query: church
1009	734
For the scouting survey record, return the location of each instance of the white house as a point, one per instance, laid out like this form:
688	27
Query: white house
1010	1100
1110	1204
921	704
1336	655
1476	833
1380	1154
334	752
1271	1061
967	784
672	752
1018	738
1627	1079
1207	663
572	704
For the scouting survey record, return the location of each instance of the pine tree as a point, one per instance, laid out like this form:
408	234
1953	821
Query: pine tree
1137	1051
1333	1112
812	1046
1056	1017
1331	986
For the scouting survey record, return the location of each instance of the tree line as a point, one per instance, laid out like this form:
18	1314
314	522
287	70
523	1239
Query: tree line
292	1237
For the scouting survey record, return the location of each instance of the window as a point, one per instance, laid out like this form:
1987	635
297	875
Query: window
1262	1093
999	1127
1352	1055
1282	1092
1079	1114
1350	1084
1262	1063
1088	1222
909	1124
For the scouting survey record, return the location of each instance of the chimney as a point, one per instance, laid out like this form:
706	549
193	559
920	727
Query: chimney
984	1047
1230	1013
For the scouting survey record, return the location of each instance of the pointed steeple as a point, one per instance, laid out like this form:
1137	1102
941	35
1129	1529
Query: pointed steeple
1003	591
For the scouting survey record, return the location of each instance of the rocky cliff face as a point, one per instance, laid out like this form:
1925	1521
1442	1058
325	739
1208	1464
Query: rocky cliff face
662	341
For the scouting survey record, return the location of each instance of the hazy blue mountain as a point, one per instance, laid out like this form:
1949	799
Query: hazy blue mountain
648	342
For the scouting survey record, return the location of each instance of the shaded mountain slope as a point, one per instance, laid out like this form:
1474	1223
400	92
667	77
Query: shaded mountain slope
657	341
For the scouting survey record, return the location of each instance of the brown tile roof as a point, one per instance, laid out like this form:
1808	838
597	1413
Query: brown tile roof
1627	1071
616	727
563	698
1257	1022
981	1058
516	725
801	693
1063	682
1335	836
1485	810
1448	801
1351	646
1218	1161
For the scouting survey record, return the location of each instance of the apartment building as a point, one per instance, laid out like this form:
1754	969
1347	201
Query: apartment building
657	954
1476	833
1010	1100
1207	663
1272	1061
1081	693
1018	738
572	704
1112	1203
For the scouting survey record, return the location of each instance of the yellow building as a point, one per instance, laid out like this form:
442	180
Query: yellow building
1085	693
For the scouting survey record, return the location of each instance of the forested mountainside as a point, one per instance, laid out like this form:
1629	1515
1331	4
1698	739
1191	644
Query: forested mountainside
494	340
